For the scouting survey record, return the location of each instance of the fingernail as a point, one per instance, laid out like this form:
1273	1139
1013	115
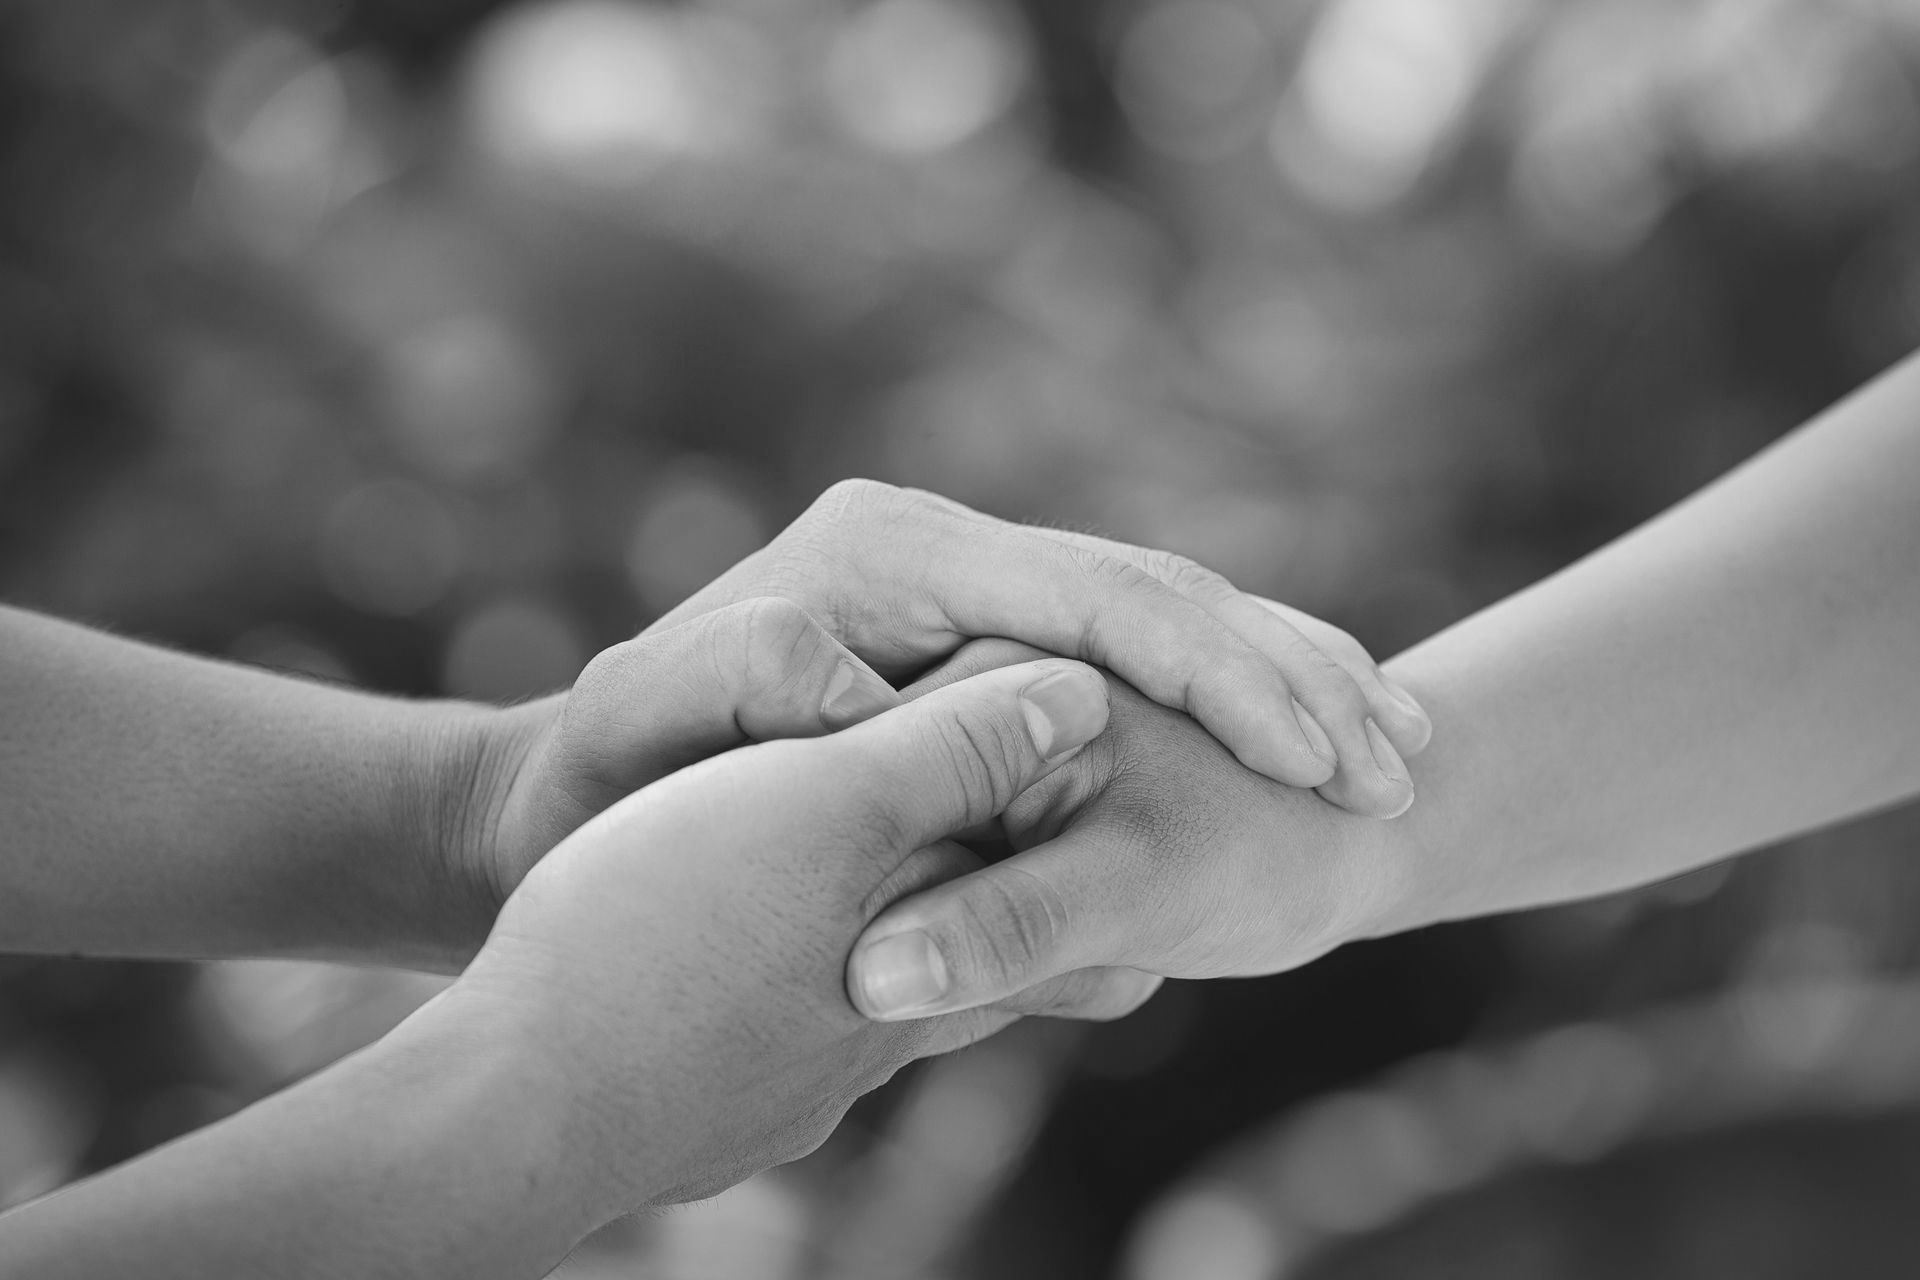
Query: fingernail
1316	736
900	974
1064	711
853	697
1385	756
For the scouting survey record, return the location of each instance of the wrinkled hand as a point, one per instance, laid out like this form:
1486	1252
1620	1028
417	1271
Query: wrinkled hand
1153	849
677	964
904	578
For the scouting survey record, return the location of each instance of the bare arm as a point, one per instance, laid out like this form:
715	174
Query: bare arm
657	1014
442	1150
153	803
1743	668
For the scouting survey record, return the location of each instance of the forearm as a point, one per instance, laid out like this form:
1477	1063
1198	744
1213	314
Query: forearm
157	804
431	1154
1741	669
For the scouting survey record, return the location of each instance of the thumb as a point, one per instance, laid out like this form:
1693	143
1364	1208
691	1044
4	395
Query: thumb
989	937
958	756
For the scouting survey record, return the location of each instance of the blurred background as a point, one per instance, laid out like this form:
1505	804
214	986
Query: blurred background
435	344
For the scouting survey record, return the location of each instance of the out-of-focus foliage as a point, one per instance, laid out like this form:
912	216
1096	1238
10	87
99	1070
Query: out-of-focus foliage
436	345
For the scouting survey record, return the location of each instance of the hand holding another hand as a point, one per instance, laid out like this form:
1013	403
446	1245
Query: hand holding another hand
904	578
1152	849
873	584
677	963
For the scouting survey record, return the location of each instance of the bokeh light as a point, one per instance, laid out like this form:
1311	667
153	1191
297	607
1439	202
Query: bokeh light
434	347
511	649
695	524
918	76
1193	76
603	91
391	547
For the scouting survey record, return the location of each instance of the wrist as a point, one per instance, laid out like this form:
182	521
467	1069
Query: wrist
620	1140
474	1078
446	1148
1376	867
450	792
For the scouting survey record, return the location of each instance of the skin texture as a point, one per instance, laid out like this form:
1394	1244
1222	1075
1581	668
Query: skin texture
893	581
1743	668
904	577
658	1013
1738	670
158	804
155	804
1200	867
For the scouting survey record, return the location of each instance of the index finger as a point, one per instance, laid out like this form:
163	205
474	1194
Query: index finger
997	579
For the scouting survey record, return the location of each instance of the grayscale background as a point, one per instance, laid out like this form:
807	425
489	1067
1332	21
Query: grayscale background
434	344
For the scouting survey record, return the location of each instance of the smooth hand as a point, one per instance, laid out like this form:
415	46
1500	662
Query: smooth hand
678	963
1153	849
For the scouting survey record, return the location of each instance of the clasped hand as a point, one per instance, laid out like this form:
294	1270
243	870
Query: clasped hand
676	964
685	952
875	584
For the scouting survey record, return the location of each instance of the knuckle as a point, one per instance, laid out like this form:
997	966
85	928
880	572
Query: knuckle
915	501
635	666
1108	570
927	500
1319	680
1333	689
1011	925
1109	576
847	501
979	753
590	712
776	637
1189	577
610	666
